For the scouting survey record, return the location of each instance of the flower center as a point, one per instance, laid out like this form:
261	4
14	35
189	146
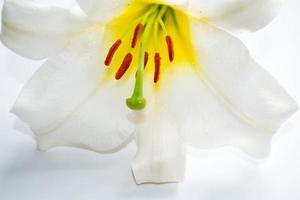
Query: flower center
153	35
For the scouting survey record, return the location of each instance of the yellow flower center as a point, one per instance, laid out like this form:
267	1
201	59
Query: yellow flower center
149	38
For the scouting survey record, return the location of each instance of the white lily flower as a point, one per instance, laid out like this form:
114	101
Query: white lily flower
188	82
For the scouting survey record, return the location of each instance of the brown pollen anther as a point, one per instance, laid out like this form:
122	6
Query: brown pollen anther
170	45
146	58
112	52
124	66
157	62
136	35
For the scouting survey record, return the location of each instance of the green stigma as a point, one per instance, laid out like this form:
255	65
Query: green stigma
136	103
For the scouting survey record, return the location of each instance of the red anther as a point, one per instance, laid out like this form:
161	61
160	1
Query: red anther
146	58
170	47
136	35
157	62
124	66
112	52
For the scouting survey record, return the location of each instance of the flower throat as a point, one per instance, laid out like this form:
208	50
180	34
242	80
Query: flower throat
155	37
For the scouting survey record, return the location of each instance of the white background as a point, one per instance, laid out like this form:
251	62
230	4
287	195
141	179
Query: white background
64	173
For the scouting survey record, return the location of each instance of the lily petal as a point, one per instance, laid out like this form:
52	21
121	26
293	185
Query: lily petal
232	101
104	11
161	152
66	102
236	14
38	31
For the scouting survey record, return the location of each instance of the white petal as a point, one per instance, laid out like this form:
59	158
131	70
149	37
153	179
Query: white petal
177	3
104	11
66	102
161	152
38	31
101	123
234	101
230	69
236	14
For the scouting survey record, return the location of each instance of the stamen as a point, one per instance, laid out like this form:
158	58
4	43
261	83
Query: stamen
146	58
136	35
170	48
112	52
157	62
124	66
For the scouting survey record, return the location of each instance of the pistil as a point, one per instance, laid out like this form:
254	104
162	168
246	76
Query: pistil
137	101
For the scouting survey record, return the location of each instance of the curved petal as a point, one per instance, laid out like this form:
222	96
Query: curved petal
38	31
233	101
161	152
236	14
104	11
100	124
66	102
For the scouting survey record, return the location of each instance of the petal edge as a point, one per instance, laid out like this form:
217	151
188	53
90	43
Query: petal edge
38	31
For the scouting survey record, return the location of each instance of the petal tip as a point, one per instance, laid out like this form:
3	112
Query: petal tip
157	173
